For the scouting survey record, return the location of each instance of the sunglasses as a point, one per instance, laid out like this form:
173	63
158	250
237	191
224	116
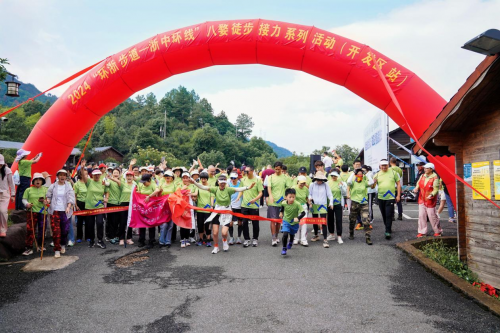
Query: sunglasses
234	178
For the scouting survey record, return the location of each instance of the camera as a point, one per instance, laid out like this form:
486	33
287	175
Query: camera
4	119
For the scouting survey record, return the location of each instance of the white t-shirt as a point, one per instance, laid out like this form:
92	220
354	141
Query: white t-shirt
327	160
59	198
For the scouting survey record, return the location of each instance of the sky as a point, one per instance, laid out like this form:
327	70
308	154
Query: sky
47	41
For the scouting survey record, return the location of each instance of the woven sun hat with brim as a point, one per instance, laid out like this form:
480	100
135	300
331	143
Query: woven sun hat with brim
38	175
301	179
334	174
96	172
168	173
21	153
194	172
177	168
185	174
61	171
320	176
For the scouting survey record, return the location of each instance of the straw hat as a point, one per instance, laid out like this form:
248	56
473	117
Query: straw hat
320	176
21	153
168	173
38	175
61	171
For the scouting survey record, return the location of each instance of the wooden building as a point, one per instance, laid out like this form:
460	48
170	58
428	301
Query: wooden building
103	154
469	128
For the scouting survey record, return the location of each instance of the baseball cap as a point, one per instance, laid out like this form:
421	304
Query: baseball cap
302	170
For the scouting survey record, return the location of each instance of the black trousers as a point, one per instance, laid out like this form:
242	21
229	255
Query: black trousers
202	226
255	224
335	219
80	221
122	223
112	222
371	199
24	184
387	211
185	233
142	235
323	226
90	223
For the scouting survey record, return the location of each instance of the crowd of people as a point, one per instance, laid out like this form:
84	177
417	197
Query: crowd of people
331	189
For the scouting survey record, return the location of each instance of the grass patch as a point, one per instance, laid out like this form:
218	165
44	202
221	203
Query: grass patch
448	258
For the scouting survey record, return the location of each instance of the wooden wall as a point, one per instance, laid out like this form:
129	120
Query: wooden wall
481	220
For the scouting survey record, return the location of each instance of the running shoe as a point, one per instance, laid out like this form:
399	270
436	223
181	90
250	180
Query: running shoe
277	239
199	243
339	240
274	242
231	241
122	242
388	235
101	244
315	238
351	235
304	243
71	243
130	242
295	241
421	235
209	244
359	226
325	244
369	241
452	220
192	240
28	252
255	243
39	249
57	254
400	217
225	246
246	243
107	239
183	243
283	251
238	240
78	240
63	249
331	237
215	250
91	244
187	243
289	246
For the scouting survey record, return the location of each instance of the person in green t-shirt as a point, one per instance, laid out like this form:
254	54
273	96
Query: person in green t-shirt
222	194
148	187
80	189
34	200
187	234
113	219
277	183
97	197
205	200
250	206
334	216
357	191
291	212
24	168
303	172
302	197
387	181
167	187
398	170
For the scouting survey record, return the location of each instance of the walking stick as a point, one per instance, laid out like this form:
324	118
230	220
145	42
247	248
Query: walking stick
43	236
33	226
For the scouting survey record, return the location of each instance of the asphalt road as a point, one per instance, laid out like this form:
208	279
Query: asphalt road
351	287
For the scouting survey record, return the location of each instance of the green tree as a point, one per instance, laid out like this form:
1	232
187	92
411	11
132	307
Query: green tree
205	139
244	126
150	155
347	152
223	124
212	158
3	70
145	138
264	160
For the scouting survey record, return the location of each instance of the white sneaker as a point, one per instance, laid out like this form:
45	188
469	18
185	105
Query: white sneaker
238	241
183	243
215	250
331	237
295	241
277	239
274	242
225	246
28	252
192	240
57	254
63	249
231	241
71	243
255	243
325	244
304	243
339	240
246	243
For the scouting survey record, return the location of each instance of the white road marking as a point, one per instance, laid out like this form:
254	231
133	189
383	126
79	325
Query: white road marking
409	218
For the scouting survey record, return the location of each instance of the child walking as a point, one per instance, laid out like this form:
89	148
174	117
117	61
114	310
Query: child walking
291	212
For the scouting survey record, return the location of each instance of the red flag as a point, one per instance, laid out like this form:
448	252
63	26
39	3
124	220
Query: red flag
151	214
180	208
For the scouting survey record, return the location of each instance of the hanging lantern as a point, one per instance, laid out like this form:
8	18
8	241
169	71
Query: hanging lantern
12	86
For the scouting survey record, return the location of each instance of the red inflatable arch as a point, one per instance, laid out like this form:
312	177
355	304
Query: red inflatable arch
318	52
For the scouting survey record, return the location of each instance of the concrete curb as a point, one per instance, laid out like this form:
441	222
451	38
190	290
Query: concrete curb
412	248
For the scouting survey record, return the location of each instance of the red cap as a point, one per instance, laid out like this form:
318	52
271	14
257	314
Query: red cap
129	173
102	165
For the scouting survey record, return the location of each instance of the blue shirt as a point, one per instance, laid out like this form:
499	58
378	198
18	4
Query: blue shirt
235	203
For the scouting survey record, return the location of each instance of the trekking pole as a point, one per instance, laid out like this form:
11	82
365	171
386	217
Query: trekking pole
33	226
43	236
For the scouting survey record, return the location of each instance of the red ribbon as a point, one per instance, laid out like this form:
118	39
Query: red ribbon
414	137
98	211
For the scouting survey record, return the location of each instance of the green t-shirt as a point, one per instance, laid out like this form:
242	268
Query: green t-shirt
114	193
212	180
204	200
167	188
126	190
308	180
344	176
32	194
95	194
278	186
24	167
386	182
398	170
147	190
359	191
177	181
301	194
80	189
252	193
336	193
222	198
291	211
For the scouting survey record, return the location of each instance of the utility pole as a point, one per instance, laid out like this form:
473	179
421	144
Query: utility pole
165	125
